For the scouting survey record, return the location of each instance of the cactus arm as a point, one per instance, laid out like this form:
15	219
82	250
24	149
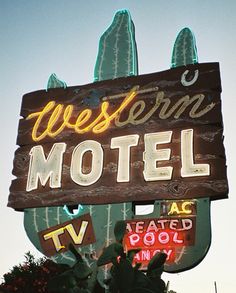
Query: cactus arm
55	82
185	50
117	57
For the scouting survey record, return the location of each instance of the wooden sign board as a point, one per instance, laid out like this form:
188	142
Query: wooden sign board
155	136
78	232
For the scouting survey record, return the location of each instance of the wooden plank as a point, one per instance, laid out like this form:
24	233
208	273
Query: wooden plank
208	148
174	100
78	231
216	189
170	90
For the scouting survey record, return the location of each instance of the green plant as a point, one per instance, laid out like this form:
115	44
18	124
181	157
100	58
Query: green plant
32	276
81	278
124	278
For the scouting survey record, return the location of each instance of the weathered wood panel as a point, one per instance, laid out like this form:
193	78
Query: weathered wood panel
208	148
78	231
166	88
173	107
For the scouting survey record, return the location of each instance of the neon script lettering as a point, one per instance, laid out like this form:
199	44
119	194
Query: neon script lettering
98	125
138	114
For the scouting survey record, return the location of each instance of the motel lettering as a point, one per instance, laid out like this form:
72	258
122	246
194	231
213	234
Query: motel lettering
44	169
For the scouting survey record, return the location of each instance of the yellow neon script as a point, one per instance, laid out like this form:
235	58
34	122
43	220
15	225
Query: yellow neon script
98	125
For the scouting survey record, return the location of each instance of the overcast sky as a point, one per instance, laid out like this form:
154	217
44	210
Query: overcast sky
38	38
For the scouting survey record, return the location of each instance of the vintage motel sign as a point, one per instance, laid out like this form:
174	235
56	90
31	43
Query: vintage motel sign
124	138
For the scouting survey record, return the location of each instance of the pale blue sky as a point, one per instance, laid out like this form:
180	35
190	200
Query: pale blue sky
38	38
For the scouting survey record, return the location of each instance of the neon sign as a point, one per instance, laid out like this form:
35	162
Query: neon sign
78	231
146	138
50	169
154	137
73	213
100	124
58	112
178	208
170	234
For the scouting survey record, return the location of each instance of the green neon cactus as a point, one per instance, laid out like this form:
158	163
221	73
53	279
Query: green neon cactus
123	57
117	53
117	57
39	219
185	50
55	82
184	53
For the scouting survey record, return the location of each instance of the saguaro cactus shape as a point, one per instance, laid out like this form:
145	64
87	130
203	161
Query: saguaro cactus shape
55	82
117	54
185	50
117	57
184	53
